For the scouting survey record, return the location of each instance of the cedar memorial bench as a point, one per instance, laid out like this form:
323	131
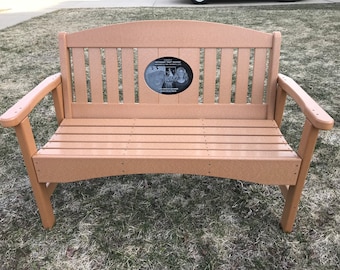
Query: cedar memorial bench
139	97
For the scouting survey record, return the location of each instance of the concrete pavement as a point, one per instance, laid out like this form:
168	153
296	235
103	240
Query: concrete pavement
15	11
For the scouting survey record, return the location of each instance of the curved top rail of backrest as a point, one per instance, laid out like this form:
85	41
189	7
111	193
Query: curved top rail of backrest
170	33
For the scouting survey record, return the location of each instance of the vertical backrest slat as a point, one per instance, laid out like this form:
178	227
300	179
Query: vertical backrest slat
226	72
209	81
128	76
96	75
66	73
259	74
111	72
273	74
242	75
168	52
79	69
192	57
145	57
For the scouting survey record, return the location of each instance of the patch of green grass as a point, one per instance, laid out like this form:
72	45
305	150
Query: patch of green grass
173	221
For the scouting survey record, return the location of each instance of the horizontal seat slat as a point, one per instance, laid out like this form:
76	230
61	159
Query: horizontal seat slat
170	130
167	138
169	122
169	111
172	145
162	153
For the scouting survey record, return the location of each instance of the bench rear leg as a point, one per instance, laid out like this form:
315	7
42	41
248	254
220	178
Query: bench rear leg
305	151
42	192
290	208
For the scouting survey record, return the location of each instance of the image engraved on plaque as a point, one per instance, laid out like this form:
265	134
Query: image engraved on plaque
168	75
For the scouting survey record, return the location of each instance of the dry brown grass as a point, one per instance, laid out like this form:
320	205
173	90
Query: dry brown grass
173	221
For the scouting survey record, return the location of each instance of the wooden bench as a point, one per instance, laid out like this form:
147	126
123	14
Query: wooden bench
138	98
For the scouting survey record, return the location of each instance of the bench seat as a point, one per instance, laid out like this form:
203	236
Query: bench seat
90	148
130	99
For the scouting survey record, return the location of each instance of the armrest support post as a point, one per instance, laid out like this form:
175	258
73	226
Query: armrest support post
58	103
281	97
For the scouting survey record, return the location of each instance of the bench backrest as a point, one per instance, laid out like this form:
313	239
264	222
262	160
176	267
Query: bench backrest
234	70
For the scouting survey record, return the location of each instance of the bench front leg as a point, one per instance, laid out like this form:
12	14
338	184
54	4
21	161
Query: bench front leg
293	194
42	192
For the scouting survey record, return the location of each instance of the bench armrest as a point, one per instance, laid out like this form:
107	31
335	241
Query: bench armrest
19	111
314	113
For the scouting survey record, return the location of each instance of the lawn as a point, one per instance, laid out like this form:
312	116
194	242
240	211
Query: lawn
173	221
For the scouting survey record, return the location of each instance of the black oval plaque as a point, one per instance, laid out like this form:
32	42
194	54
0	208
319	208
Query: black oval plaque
168	75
